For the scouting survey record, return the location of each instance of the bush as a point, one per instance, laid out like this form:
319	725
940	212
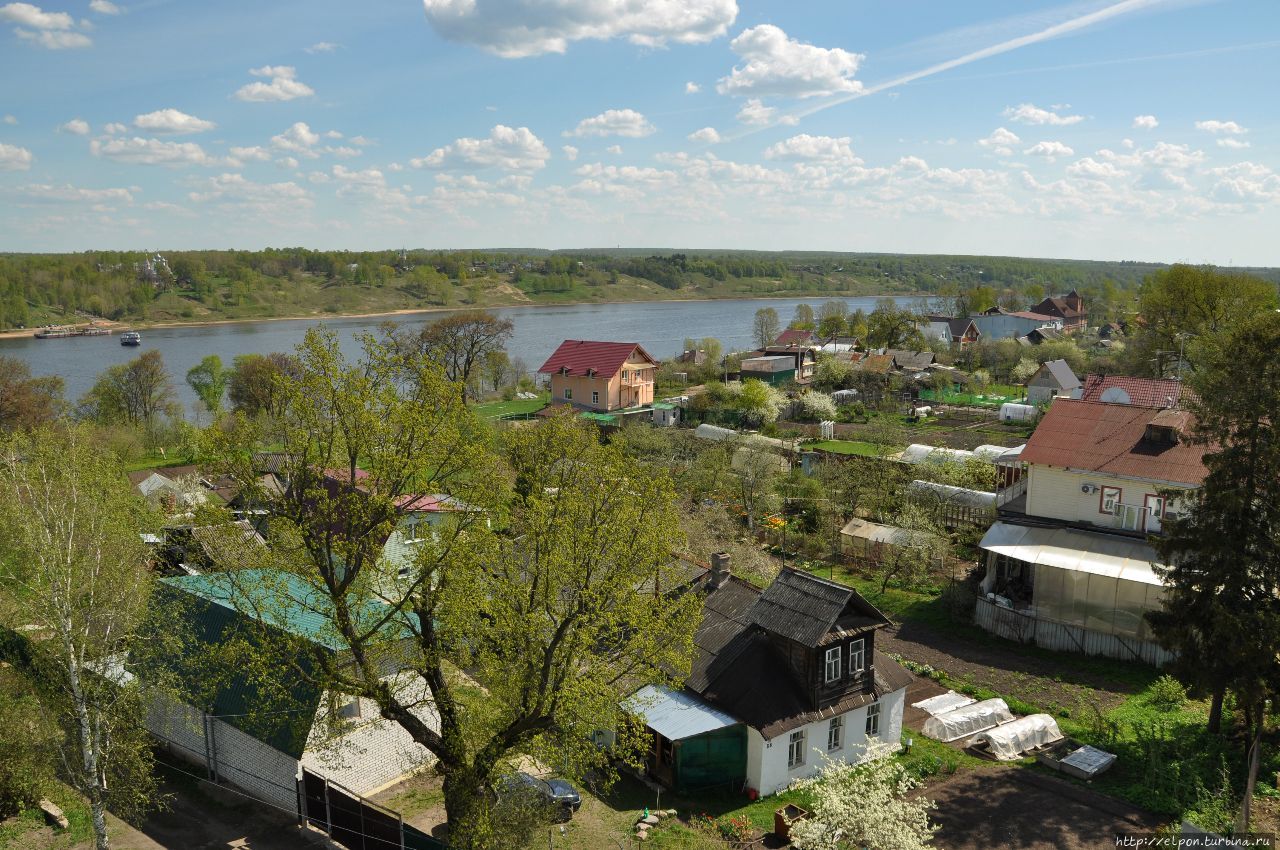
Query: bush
1167	694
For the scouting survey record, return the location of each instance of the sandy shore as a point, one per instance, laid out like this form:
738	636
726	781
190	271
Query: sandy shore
117	327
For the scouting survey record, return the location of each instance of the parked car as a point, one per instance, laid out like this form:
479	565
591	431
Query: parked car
556	796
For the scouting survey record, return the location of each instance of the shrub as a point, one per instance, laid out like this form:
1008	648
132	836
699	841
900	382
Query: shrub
1167	694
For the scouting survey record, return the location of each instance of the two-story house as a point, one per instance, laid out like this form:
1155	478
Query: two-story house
781	678
601	375
952	331
1069	309
780	364
999	323
1069	565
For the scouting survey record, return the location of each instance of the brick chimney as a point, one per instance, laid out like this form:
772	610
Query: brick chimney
719	570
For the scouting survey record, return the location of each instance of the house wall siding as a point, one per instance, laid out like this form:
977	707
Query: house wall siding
767	769
1056	494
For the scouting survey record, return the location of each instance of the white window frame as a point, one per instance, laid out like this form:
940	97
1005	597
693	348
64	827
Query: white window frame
858	650
835	734
832	661
873	720
795	750
568	392
595	396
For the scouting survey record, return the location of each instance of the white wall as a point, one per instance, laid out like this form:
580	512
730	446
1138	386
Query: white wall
767	769
1056	493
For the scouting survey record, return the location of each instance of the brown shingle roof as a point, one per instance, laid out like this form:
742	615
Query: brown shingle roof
580	356
1112	439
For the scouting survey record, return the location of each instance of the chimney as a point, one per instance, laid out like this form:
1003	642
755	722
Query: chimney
719	570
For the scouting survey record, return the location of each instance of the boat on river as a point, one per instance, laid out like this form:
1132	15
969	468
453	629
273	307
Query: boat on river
64	331
132	338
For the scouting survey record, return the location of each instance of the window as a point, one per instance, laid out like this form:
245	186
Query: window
666	750
857	656
873	720
833	664
795	749
344	707
835	734
1109	500
568	392
595	397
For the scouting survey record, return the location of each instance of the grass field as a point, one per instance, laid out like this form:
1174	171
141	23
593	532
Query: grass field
850	447
994	396
498	409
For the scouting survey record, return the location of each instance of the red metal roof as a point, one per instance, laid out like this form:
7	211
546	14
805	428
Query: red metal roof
1111	439
578	356
794	336
1145	392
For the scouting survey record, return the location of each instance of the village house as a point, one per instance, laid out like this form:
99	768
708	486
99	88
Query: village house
601	376
999	323
779	365
233	732
1069	308
1051	380
796	338
952	331
781	679
1069	565
1039	336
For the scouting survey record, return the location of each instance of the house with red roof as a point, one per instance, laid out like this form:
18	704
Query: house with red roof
601	376
1070	564
1069	308
1147	392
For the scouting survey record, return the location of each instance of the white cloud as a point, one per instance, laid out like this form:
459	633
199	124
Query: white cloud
1229	128
27	15
9	119
248	154
115	127
1027	113
322	47
104	7
55	39
518	28
614	122
1001	141
692	87
76	127
345	151
264	198
1089	168
299	138
570	152
1049	150
287	162
332	134
755	113
138	151
511	149
707	135
779	65
1145	122
1246	182
284	85
69	193
1234	144
172	121
616	150
361	141
14	158
805	148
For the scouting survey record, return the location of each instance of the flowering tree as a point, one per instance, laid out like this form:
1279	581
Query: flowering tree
816	406
865	805
758	402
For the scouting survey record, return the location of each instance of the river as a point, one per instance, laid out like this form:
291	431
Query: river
660	326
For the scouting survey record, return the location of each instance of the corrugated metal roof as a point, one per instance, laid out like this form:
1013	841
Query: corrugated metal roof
1077	551
675	715
1111	438
578	356
1145	392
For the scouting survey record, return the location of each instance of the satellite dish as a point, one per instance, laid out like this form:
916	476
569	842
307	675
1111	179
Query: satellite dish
1115	395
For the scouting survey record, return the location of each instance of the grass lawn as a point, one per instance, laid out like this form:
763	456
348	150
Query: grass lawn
498	409
850	447
993	396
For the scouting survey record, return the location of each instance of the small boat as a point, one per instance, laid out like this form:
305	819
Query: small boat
94	330
131	338
56	332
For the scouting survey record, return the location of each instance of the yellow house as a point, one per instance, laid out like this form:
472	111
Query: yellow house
601	375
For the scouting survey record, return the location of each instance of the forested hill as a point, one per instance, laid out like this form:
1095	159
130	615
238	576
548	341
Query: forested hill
136	287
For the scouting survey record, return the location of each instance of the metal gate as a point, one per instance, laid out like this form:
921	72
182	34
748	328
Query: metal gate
354	821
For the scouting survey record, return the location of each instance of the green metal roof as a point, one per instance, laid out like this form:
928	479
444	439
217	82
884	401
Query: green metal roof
276	598
599	417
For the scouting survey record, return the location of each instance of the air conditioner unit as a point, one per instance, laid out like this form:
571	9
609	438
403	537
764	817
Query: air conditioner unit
1088	488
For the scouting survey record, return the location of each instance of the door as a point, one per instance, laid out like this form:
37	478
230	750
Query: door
1154	514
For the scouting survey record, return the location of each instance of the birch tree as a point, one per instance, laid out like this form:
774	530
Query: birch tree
74	583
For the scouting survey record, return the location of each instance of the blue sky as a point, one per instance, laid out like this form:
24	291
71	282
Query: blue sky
1108	129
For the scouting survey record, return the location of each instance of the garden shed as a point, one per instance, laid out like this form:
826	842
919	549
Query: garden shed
696	746
869	540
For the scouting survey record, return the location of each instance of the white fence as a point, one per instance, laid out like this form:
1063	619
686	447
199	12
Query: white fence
1027	628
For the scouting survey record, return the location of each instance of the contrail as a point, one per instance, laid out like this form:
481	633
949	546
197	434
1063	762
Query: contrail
1115	10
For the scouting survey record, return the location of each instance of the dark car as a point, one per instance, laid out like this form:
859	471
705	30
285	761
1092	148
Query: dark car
558	798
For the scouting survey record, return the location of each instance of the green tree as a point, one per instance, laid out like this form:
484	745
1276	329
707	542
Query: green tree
758	402
1221	613
889	326
765	326
856	325
832	319
26	402
29	740
135	393
459	343
803	319
256	382
72	564
542	609
208	380
1183	307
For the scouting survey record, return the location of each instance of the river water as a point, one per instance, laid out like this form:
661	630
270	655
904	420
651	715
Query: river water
660	326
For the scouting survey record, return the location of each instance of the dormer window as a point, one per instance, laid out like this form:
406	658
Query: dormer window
833	664
1161	434
857	656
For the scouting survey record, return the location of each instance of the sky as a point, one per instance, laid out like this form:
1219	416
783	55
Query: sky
1103	129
